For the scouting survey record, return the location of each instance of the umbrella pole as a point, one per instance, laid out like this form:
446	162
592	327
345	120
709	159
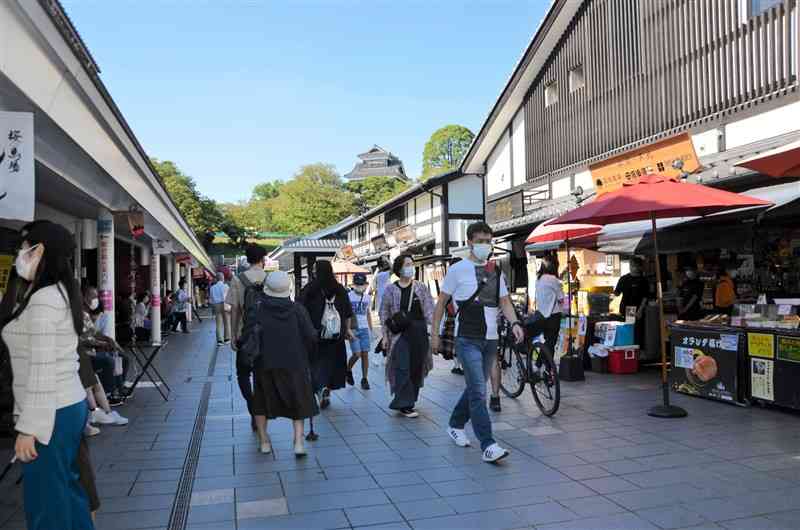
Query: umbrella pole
665	410
569	302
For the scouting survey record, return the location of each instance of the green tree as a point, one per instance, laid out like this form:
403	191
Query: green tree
445	149
375	190
313	199
267	190
201	213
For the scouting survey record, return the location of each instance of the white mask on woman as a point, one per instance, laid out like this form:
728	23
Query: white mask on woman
407	272
94	304
25	265
360	289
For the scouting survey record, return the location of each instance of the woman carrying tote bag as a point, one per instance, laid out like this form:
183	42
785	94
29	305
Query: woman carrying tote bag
406	313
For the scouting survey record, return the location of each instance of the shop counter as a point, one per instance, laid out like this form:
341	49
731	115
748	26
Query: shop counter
746	364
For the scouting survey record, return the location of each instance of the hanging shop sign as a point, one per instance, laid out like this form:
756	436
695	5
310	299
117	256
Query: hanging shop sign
671	158
183	258
271	265
505	209
379	243
6	260
136	222
405	234
347	253
706	363
162	246
17	192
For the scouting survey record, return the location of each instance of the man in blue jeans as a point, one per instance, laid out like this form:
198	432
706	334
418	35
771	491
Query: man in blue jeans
479	291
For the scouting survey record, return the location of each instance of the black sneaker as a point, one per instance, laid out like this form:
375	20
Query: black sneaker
116	401
365	384
349	378
325	401
456	370
494	403
409	413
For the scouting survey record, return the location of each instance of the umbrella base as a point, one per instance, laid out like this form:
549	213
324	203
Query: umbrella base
667	411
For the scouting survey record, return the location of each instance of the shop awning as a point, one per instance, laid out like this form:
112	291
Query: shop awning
783	161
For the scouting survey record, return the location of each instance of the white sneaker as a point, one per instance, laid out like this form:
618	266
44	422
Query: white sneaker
494	453
265	447
101	417
118	419
299	449
90	430
458	436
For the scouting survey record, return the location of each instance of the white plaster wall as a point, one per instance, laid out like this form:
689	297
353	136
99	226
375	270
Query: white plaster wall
498	167
561	187
465	195
518	142
765	125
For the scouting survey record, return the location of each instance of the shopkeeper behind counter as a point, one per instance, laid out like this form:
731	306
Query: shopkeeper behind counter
691	293
635	291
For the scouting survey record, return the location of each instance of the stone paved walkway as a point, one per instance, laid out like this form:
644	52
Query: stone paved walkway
600	464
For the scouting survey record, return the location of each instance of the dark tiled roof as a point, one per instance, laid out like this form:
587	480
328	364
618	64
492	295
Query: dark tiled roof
305	242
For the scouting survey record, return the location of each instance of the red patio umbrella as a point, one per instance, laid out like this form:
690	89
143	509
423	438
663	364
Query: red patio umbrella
557	233
656	197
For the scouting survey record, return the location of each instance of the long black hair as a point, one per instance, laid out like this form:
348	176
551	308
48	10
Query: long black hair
324	279
549	266
55	268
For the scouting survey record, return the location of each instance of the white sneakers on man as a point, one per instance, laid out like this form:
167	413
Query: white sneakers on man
494	453
102	417
458	436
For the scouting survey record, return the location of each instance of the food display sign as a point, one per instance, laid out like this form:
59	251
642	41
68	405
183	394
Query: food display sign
705	364
761	345
762	379
6	261
789	349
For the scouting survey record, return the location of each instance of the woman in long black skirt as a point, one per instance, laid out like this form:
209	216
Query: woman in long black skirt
282	373
329	364
409	357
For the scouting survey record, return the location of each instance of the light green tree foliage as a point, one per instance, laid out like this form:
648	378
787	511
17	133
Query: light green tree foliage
313	199
445	149
373	191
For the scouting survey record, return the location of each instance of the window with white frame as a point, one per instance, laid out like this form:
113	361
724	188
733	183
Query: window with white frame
551	94
576	79
754	8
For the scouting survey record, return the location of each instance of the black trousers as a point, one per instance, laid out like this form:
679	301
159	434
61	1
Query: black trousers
180	318
244	376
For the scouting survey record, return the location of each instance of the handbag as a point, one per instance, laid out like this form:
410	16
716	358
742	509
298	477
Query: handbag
400	321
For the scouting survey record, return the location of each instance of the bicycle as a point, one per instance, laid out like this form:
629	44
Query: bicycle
529	362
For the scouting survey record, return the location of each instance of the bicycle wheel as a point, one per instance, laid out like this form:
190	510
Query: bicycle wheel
512	370
544	379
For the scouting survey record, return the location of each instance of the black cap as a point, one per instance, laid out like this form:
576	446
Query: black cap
359	278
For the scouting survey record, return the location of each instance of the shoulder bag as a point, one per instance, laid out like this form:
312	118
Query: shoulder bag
400	321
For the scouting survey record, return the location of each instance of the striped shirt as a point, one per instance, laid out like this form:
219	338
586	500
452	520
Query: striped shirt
44	360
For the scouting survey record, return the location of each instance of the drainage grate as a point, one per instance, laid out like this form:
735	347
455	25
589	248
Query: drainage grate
180	508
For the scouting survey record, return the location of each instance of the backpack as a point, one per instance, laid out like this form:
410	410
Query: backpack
249	342
331	323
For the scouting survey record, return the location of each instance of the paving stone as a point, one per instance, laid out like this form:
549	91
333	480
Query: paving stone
592	506
346	499
410	493
424	509
326	520
672	517
373	515
583	472
496	520
220	496
609	485
547	512
261	508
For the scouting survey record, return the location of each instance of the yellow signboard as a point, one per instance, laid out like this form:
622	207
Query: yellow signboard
5	270
761	345
657	159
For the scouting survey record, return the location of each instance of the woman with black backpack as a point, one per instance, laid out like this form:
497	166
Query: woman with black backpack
331	313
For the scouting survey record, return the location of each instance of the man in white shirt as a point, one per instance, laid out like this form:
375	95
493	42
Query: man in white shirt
479	290
217	294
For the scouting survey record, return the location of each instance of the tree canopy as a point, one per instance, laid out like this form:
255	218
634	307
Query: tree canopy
445	149
372	191
313	199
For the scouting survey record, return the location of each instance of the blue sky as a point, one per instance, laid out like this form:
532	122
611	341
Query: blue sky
237	92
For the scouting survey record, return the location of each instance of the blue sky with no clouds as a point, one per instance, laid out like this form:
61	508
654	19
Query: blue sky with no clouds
237	92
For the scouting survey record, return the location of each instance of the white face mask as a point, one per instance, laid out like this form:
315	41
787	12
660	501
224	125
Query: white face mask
482	251
691	275
94	304
360	289
25	266
407	272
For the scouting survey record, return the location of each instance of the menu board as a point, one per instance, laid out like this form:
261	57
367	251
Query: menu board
789	349
762	379
761	345
706	363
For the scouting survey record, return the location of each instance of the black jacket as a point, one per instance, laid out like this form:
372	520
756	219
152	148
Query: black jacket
288	338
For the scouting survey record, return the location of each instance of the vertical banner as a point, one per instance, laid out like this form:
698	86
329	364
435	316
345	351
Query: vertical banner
105	268
17	193
155	298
